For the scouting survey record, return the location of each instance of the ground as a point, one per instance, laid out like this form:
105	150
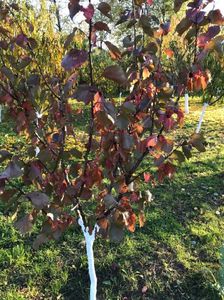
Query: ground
176	255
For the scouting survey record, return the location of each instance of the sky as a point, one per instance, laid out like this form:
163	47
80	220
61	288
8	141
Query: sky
219	4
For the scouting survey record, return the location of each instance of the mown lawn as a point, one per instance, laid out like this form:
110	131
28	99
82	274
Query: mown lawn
177	255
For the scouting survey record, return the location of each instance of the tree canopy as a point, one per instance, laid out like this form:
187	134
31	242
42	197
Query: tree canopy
45	71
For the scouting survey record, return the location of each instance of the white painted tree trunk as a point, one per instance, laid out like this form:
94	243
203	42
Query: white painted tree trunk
201	117
37	151
120	97
90	238
0	113
186	103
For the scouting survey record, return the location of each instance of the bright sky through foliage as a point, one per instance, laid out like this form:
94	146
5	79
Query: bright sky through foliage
219	4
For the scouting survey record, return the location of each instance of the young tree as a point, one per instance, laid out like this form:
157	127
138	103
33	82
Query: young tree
124	144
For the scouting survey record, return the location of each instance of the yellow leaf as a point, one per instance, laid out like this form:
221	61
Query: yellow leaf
145	73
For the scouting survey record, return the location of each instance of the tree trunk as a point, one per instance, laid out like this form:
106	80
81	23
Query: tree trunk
90	238
186	103
58	16
201	117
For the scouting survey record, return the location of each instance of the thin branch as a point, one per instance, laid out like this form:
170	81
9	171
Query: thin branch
136	165
166	157
22	192
196	41
216	100
134	33
91	123
58	16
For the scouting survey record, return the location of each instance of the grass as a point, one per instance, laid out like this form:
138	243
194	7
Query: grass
176	255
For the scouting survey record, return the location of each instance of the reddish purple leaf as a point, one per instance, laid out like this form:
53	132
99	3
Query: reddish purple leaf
84	93
125	15
74	7
213	31
12	171
203	39
101	26
216	17
21	40
195	15
40	239
88	12
4	154
39	200
115	73
183	25
165	27
25	224
74	59
104	8
195	4
178	4
2	185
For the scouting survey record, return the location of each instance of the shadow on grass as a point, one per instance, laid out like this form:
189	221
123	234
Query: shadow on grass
170	255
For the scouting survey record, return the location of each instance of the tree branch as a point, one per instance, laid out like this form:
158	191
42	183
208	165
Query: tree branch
91	123
58	16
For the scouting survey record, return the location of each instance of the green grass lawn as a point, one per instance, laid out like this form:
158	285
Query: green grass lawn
176	255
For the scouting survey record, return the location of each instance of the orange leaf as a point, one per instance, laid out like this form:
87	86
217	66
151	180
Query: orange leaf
141	219
103	223
145	73
151	141
169	53
203	82
131	220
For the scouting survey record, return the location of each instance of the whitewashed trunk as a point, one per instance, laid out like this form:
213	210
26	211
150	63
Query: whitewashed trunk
201	117
1	113
90	238
186	103
120	98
